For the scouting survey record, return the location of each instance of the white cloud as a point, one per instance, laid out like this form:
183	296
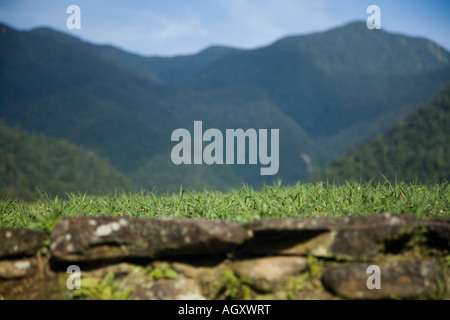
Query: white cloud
251	16
163	28
143	31
258	22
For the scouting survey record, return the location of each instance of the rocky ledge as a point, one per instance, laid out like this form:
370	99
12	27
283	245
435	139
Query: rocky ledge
381	256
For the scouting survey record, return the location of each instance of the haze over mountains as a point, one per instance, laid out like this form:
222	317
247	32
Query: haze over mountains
326	93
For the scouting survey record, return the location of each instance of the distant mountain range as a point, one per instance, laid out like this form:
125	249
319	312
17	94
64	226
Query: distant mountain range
326	92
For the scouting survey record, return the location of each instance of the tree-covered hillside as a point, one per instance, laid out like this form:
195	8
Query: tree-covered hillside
33	164
418	148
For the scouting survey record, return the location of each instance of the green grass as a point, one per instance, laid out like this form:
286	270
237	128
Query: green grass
239	205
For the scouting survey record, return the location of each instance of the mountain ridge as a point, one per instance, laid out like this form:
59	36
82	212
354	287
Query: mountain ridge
327	92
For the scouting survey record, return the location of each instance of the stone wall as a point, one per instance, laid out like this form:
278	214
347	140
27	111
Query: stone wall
168	258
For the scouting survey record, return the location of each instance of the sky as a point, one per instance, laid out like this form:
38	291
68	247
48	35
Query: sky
172	27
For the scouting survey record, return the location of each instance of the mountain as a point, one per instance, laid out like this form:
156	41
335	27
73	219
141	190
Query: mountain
342	86
326	92
416	149
31	164
56	85
63	87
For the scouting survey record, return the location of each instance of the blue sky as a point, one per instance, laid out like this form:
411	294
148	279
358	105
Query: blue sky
169	27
